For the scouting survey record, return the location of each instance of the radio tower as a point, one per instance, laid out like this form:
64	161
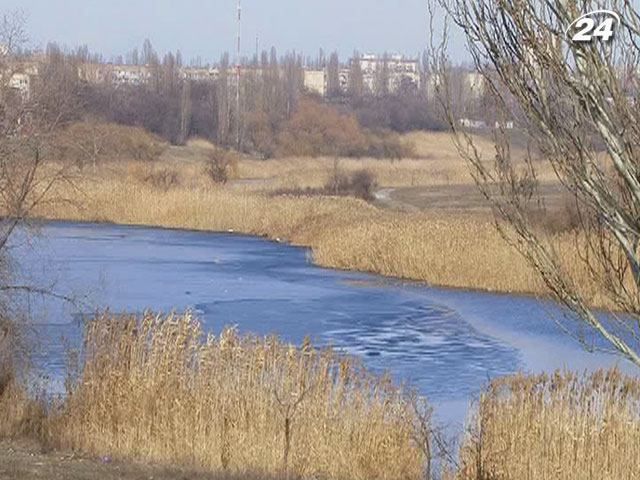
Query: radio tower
238	76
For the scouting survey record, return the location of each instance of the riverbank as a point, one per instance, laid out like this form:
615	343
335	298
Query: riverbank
451	249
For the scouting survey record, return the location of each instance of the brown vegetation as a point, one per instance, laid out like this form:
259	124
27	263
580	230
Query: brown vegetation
91	142
221	165
156	388
342	232
360	184
563	427
316	130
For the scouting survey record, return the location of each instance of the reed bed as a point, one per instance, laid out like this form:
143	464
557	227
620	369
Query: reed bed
21	413
156	388
562	427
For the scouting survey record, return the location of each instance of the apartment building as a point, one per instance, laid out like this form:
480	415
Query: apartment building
398	70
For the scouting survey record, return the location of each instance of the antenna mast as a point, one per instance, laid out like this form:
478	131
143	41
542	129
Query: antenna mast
238	76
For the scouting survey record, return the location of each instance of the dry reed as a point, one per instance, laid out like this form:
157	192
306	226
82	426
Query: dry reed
21	414
562	427
156	388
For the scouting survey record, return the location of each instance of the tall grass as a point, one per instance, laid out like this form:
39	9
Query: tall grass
156	388
21	413
563	427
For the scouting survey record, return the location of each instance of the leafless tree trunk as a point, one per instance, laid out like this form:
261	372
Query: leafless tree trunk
382	77
27	178
185	111
333	76
356	80
222	102
577	105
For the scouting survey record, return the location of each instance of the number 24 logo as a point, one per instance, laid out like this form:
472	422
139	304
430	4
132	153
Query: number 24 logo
586	29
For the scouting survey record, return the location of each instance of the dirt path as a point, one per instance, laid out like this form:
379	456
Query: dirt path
455	198
20	461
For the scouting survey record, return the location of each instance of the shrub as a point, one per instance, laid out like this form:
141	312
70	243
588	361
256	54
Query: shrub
401	112
320	130
221	165
386	144
90	142
260	135
361	184
316	129
163	179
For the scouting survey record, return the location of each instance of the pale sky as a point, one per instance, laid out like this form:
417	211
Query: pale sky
206	28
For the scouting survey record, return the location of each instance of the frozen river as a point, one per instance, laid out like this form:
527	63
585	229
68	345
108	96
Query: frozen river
447	343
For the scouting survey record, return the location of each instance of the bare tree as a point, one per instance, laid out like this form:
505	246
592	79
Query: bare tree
13	34
383	77
27	179
577	105
356	80
333	75
222	102
185	111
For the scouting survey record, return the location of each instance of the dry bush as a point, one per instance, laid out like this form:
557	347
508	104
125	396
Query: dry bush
390	145
363	184
564	218
162	179
260	135
156	388
316	129
91	142
360	184
556	427
221	165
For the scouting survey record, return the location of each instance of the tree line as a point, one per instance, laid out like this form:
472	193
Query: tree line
271	88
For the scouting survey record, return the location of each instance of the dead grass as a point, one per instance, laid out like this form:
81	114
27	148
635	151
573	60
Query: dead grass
437	164
20	413
563	427
156	388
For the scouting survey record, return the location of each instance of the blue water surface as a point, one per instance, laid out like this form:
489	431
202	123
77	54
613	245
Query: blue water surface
446	343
